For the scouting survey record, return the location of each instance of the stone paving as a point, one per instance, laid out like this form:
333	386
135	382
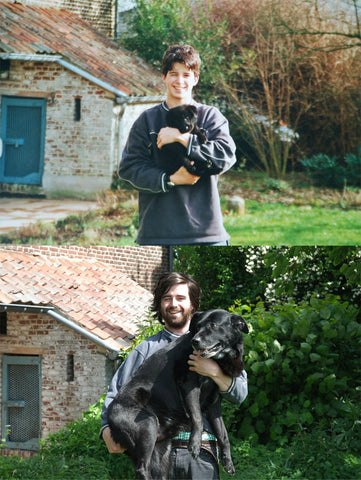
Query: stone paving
17	212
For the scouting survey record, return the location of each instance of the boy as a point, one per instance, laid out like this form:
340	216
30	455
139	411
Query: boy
180	208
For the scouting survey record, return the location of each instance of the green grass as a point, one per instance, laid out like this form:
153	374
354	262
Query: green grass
280	224
309	457
278	212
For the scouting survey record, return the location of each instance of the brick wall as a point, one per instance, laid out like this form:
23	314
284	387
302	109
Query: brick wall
79	155
62	400
144	265
100	13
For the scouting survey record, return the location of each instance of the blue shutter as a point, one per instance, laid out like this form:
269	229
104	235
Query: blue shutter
23	122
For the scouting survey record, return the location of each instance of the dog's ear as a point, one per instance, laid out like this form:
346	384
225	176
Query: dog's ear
240	322
193	326
193	109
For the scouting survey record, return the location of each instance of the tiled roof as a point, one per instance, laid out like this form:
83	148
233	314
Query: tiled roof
94	295
38	31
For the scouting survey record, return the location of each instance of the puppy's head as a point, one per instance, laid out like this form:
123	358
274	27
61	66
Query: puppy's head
183	117
217	333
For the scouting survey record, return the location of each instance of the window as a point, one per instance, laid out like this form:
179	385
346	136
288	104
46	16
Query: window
70	368
3	323
77	109
4	69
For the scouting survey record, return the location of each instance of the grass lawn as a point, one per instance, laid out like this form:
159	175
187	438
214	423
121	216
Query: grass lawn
280	224
278	212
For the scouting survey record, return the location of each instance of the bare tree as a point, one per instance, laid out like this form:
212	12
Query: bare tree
289	95
338	20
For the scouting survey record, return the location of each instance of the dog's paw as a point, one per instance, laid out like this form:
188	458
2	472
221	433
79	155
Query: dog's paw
194	449
228	466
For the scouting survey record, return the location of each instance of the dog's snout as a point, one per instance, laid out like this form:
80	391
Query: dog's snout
196	343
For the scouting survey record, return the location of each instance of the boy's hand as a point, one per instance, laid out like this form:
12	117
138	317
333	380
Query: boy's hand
171	135
183	177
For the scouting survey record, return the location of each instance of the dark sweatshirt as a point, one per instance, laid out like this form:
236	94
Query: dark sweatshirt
183	214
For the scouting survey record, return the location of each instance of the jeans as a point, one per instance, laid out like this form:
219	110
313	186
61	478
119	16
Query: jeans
185	467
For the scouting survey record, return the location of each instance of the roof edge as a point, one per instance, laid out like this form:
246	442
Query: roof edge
64	63
111	352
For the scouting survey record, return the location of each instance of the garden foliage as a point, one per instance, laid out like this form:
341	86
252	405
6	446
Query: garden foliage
303	363
331	172
225	273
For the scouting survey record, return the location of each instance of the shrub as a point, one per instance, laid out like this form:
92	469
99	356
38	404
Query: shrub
309	455
80	440
353	168
325	170
303	366
329	172
53	467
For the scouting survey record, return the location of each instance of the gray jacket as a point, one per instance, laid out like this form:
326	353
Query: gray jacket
184	214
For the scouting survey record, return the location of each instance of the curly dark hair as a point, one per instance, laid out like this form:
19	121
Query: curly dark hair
181	54
167	281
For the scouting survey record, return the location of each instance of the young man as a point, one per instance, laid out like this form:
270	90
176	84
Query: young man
176	297
180	208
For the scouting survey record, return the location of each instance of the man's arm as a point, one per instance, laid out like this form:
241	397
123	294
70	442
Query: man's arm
109	442
233	389
124	372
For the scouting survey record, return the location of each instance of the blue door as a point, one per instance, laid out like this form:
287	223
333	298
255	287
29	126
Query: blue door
22	133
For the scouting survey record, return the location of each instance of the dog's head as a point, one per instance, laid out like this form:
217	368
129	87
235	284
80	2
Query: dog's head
217	334
183	117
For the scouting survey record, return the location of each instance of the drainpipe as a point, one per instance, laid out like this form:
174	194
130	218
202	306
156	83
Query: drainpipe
170	257
111	353
93	79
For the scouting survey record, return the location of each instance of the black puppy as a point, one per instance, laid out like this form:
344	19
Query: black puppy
184	118
144	416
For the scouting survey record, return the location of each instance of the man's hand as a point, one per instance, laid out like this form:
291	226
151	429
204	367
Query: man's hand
111	445
209	368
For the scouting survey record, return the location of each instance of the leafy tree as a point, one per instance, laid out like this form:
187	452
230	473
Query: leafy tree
225	273
272	274
154	26
300	272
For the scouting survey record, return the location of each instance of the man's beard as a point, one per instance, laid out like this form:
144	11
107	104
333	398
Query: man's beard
178	321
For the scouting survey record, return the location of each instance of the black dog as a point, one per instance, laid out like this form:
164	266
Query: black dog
184	118
144	415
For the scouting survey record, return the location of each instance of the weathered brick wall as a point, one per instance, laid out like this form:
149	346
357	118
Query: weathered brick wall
78	155
100	13
144	265
62	400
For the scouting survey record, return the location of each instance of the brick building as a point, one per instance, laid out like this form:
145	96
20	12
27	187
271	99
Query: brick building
64	317
68	97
